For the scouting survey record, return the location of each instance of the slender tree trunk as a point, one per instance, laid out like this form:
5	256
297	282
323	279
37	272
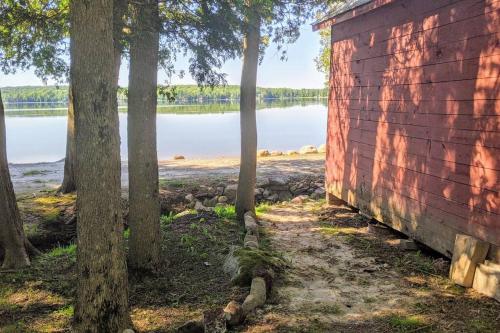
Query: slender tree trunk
12	238
144	212
69	182
102	287
245	198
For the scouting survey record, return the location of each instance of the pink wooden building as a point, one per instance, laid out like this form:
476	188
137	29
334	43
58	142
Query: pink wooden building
414	116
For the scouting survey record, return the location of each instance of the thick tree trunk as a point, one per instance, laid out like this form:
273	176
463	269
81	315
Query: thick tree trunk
102	288
12	238
144	211
69	182
245	198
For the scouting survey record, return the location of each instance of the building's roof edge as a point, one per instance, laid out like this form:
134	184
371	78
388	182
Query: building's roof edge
348	10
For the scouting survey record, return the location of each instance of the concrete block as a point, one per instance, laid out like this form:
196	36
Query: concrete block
467	254
487	280
257	296
251	241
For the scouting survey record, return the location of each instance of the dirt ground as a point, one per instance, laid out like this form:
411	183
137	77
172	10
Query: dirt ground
342	278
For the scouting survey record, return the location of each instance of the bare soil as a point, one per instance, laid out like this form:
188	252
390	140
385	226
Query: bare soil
342	278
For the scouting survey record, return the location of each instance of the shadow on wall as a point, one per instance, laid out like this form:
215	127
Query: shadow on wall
414	120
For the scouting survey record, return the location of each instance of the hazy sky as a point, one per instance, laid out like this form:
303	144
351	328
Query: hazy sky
298	71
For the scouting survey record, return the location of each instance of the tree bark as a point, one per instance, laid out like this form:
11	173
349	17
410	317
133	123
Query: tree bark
144	211
102	287
12	238
69	182
245	197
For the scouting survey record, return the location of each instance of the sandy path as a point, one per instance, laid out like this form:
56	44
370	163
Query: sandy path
327	288
29	178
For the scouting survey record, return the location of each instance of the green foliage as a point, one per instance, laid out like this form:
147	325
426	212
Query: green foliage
184	94
34	34
323	59
226	212
68	250
262	208
167	219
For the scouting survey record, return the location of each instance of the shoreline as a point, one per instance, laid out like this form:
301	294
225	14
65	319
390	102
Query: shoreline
29	178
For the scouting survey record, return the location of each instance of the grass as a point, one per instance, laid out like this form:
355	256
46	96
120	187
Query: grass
334	230
225	212
262	208
406	323
167	219
175	183
68	250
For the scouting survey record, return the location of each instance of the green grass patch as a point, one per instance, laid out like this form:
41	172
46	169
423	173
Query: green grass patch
126	234
262	208
333	230
67	311
167	219
226	212
406	323
69	250
176	183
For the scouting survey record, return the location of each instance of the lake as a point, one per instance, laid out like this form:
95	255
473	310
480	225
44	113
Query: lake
37	132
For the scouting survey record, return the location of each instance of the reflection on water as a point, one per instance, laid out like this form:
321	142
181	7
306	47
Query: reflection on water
38	133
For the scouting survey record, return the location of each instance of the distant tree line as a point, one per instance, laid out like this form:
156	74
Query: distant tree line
181	94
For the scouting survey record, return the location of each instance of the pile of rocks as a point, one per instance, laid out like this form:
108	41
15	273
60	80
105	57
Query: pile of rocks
305	150
268	189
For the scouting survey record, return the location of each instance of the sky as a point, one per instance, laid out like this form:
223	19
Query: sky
298	71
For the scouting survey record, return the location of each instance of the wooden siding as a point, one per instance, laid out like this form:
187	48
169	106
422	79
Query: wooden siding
414	118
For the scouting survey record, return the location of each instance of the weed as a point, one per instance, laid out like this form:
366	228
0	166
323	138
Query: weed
126	234
225	212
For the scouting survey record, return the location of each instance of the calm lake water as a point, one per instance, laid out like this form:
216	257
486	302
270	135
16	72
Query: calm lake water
37	133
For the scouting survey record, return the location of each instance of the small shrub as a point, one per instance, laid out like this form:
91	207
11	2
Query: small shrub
69	250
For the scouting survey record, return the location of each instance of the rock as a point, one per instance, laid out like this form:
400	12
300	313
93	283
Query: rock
276	153
284	195
273	198
189	197
222	199
251	241
210	202
128	330
322	148
292	152
233	313
219	190
230	191
266	193
192	326
200	207
487	279
257	296
214	321
251	224
319	193
300	199
308	150
179	157
259	190
263	153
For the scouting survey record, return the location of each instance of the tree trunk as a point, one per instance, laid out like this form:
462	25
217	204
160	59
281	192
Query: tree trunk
102	287
144	211
245	198
69	182
12	238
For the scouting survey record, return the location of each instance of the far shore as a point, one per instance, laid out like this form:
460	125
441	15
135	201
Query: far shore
30	178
